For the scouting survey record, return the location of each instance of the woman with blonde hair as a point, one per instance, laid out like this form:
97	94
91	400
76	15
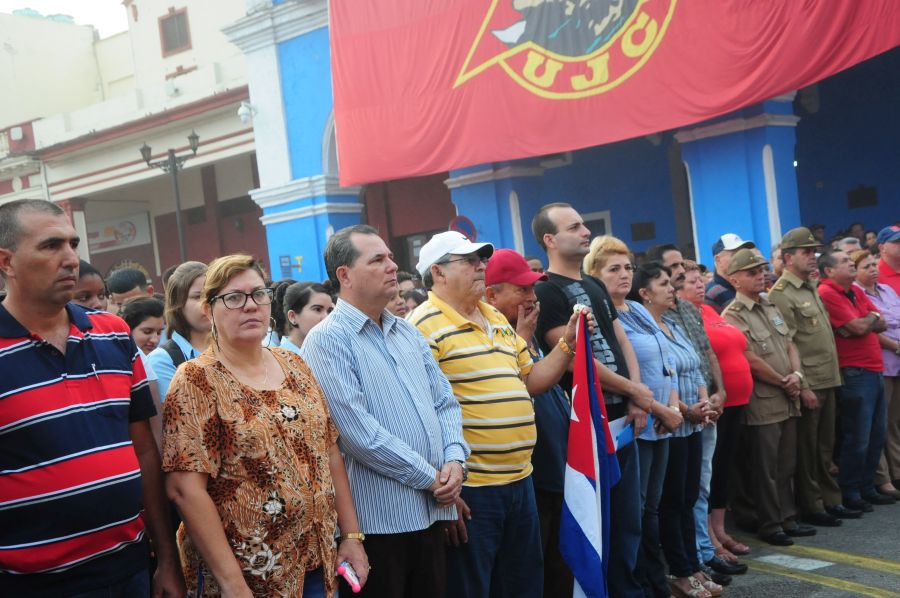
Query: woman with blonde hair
252	458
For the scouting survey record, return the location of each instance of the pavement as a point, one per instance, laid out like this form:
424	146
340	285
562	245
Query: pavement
860	558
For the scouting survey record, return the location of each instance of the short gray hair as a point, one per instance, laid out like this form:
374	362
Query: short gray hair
428	277
340	250
11	225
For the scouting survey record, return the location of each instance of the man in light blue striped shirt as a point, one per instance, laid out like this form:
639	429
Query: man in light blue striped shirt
400	425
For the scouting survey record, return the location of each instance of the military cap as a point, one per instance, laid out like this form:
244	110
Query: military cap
799	237
745	259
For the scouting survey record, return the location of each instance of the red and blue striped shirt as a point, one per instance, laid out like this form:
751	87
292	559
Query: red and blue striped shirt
70	483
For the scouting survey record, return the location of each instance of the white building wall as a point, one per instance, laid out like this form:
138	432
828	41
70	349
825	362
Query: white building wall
46	67
116	65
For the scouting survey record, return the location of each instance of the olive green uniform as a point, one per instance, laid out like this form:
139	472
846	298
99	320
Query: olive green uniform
771	416
807	319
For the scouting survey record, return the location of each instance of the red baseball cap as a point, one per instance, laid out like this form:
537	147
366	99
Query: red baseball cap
507	265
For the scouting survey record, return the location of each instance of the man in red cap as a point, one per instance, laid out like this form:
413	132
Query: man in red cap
509	287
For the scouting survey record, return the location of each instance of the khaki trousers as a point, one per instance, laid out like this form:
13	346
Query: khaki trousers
814	487
889	467
774	462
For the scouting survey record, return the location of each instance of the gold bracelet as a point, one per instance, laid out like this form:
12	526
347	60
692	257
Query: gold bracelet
564	346
353	536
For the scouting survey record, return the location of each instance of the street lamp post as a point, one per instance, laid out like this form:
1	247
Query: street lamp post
172	164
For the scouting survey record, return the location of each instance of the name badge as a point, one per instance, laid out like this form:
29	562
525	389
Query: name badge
778	321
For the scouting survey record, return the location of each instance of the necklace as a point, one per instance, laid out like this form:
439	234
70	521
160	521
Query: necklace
230	367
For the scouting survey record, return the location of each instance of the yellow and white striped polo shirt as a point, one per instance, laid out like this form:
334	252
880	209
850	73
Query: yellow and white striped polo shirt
485	370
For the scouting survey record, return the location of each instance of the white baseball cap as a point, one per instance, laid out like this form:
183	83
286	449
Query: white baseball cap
450	242
730	242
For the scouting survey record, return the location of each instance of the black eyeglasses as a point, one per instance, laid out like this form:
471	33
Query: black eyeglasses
473	259
238	299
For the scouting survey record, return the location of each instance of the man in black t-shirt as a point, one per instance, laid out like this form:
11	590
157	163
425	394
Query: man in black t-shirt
560	230
557	299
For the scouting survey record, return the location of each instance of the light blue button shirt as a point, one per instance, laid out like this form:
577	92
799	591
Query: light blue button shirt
690	373
651	347
164	367
286	343
396	413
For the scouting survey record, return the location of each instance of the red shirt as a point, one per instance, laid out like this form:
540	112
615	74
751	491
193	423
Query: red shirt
888	276
853	351
729	344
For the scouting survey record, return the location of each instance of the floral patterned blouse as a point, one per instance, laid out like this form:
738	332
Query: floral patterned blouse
266	453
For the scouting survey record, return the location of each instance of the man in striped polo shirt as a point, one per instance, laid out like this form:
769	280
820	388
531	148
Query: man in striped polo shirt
79	468
493	377
401	430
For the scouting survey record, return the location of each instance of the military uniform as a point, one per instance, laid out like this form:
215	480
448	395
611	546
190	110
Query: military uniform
771	416
807	318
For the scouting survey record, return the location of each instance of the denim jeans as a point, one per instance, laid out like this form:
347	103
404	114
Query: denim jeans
863	421
136	586
503	555
625	528
651	568
705	549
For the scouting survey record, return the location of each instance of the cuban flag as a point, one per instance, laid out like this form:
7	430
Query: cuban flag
591	470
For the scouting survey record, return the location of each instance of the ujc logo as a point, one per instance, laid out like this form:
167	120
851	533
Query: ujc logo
568	49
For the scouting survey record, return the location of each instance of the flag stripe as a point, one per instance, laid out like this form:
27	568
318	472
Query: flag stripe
591	470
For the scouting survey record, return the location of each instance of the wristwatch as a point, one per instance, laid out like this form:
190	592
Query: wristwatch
799	374
464	468
353	536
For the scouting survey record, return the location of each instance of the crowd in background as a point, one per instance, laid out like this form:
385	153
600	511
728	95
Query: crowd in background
414	425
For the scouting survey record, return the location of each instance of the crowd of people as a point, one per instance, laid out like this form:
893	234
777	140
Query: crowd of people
235	436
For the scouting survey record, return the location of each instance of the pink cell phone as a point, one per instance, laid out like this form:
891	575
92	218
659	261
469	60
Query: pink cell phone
346	571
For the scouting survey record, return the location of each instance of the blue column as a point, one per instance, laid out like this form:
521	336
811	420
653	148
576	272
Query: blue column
500	199
742	176
299	218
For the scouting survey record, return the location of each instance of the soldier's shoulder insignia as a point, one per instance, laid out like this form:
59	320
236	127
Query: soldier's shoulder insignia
733	306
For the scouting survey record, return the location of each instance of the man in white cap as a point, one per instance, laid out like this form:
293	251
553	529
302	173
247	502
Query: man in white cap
719	291
496	541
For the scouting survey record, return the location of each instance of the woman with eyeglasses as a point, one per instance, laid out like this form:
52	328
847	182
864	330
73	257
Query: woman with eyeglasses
252	458
187	325
610	260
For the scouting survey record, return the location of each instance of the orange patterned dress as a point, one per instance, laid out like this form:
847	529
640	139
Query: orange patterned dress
266	453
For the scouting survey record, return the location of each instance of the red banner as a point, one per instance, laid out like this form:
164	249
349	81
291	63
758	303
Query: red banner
424	86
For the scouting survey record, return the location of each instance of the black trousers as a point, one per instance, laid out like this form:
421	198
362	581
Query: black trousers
405	565
729	429
676	509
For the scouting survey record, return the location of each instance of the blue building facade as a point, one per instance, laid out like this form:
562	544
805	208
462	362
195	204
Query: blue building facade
824	154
